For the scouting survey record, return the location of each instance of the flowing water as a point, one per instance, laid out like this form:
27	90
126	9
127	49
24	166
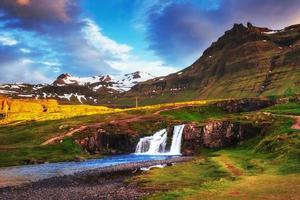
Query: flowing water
176	140
29	173
156	144
148	148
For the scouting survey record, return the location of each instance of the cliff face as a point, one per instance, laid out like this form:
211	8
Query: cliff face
214	135
244	62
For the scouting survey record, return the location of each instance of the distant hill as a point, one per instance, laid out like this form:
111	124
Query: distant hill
76	90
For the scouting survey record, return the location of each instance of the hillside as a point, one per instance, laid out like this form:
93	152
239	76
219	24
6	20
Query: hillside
247	61
244	62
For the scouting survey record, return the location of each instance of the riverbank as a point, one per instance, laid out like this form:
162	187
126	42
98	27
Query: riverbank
104	183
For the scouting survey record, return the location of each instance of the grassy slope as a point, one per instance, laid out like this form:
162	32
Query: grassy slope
264	167
253	170
22	142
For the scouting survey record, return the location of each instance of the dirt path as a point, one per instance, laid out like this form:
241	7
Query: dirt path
113	122
84	127
67	134
296	125
229	165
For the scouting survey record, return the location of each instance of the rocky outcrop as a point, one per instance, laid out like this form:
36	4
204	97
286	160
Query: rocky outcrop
108	143
215	135
219	134
191	139
244	105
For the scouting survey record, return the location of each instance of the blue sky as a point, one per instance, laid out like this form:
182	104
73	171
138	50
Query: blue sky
40	39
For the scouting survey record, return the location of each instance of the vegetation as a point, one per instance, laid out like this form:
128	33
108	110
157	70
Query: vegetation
263	167
244	172
22	141
289	109
196	113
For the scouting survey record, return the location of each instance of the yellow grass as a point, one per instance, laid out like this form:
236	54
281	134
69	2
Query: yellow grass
187	103
16	110
19	110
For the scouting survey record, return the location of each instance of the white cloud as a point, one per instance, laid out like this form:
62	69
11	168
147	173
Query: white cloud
8	41
120	56
25	50
22	70
102	43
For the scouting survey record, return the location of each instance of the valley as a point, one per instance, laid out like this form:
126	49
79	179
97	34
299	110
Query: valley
226	127
237	165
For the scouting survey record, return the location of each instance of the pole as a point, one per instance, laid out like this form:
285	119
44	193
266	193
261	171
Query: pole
136	102
6	108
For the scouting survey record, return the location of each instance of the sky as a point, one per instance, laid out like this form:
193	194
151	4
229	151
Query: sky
41	39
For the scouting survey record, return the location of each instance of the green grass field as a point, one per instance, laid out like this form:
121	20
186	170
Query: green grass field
265	167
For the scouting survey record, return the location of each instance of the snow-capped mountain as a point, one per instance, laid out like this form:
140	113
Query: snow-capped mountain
74	89
119	83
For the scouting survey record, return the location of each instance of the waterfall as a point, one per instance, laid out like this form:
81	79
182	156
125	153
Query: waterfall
156	144
153	144
176	140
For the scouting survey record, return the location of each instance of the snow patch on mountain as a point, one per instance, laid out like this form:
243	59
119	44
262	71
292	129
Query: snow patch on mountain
119	83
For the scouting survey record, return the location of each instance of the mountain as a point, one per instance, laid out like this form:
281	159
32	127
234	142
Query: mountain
117	83
70	89
247	61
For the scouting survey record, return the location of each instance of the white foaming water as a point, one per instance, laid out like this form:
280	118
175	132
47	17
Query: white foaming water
153	144
156	144
176	140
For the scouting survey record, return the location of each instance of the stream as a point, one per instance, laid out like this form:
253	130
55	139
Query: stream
149	148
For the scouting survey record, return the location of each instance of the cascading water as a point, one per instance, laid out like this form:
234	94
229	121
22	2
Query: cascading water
176	140
153	144
156	144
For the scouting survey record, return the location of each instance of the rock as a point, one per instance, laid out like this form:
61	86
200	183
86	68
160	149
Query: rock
105	142
191	137
63	127
33	161
79	159
219	134
215	134
244	105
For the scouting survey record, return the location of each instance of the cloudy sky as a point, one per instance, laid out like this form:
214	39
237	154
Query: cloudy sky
40	39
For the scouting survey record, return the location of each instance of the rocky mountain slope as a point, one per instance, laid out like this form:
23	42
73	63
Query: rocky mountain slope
247	61
70	89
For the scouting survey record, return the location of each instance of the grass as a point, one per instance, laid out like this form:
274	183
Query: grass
196	113
263	167
183	179
36	132
288	109
215	177
22	141
65	151
18	110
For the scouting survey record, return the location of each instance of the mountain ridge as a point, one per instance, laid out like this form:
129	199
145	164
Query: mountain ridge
71	89
246	61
